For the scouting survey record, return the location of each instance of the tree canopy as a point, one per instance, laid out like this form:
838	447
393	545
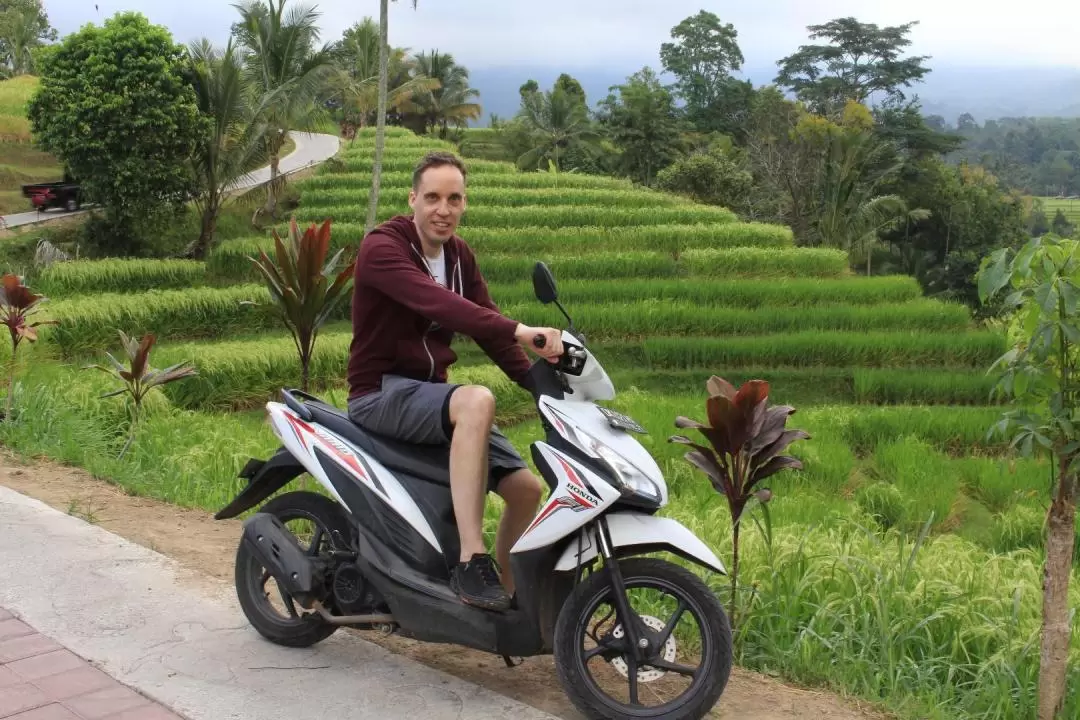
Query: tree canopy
129	141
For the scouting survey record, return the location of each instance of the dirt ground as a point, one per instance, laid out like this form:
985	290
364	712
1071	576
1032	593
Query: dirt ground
206	548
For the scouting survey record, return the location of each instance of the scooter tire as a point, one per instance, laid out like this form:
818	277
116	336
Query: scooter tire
311	628
586	694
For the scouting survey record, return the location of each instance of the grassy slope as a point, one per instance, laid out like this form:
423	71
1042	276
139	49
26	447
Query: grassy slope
1071	208
19	162
834	604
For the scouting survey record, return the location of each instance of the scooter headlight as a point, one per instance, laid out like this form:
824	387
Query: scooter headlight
631	480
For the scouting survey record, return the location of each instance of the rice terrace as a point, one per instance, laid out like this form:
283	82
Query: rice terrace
901	565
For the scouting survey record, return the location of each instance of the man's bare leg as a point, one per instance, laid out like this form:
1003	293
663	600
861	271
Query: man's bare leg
472	413
521	491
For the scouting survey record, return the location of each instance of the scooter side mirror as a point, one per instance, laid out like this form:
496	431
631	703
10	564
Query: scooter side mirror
544	284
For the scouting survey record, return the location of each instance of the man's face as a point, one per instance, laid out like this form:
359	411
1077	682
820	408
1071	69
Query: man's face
438	203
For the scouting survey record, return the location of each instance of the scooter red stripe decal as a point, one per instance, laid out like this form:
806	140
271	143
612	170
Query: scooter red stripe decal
574	500
552	506
297	425
574	477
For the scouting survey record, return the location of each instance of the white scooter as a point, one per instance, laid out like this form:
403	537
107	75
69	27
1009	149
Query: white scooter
381	541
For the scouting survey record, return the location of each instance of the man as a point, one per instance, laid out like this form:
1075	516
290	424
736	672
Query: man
417	283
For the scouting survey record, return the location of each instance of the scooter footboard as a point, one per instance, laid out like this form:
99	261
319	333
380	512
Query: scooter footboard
645	533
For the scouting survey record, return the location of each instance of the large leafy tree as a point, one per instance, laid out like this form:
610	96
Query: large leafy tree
860	61
289	69
702	56
128	141
380	113
24	25
449	101
234	142
970	215
642	121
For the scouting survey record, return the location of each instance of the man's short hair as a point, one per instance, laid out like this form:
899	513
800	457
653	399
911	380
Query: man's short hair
436	158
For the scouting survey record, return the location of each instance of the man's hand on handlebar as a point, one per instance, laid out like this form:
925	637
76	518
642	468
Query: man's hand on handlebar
545	342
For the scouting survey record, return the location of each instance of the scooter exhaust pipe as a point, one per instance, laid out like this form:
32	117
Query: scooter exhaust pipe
278	551
374	619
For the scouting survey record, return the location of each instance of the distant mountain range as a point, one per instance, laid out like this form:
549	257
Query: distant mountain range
984	92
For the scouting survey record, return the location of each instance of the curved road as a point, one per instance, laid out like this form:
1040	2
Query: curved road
311	149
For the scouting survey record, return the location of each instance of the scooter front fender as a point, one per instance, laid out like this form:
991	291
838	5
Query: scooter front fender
643	533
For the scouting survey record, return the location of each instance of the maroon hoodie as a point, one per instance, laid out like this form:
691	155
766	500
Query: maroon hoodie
403	320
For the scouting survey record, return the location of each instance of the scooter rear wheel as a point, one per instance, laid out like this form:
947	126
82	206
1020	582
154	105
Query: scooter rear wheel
253	589
597	688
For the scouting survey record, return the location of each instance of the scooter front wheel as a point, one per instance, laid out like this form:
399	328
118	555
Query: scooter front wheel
596	663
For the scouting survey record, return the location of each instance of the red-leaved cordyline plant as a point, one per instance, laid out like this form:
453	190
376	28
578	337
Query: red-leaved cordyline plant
140	379
303	285
17	304
745	438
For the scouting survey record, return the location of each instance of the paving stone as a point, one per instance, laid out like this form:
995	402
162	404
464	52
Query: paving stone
17	698
148	712
12	628
47	712
51	663
70	683
8	678
26	646
106	703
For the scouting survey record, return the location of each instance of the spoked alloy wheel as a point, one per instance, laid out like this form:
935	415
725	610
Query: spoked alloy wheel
688	661
268	607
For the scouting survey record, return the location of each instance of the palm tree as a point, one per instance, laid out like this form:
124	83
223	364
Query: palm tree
287	69
234	143
450	102
357	82
852	212
23	27
554	120
380	113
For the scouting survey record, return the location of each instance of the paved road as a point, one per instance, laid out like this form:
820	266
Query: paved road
311	148
183	641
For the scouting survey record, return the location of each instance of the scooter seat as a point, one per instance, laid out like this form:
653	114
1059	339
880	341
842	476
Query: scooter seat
427	462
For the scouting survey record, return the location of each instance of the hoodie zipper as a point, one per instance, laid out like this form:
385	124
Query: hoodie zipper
460	291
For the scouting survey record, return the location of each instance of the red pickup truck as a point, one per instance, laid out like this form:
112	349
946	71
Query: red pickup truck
64	194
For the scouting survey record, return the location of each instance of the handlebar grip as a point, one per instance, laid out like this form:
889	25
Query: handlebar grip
539	340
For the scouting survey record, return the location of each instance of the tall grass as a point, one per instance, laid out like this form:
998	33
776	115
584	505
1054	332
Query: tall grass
246	373
117	275
407	160
745	293
835	349
230	261
551	216
958	430
506	177
490	196
89	323
922	387
648	318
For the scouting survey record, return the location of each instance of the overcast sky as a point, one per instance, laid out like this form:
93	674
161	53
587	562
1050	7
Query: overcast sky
579	33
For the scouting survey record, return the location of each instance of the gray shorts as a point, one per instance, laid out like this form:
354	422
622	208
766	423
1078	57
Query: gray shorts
418	412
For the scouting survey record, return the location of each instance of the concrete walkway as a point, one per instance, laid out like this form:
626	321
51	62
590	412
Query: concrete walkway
183	641
311	149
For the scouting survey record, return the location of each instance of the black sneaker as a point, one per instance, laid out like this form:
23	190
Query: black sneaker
477	583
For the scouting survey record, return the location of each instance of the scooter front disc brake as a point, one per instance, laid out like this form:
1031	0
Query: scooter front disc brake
649	674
